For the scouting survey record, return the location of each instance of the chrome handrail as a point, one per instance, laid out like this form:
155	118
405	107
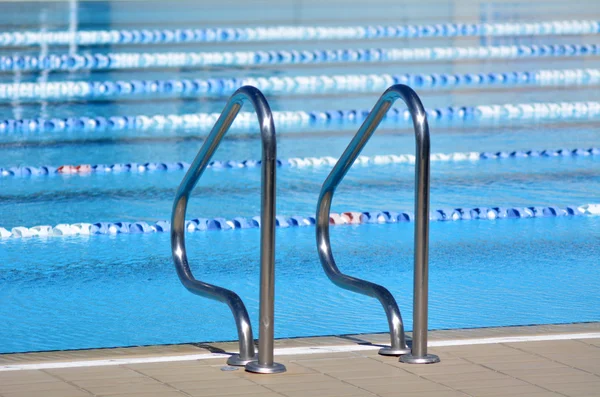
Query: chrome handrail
265	363
366	130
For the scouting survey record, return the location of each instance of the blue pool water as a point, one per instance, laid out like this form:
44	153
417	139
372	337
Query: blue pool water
121	291
230	193
106	291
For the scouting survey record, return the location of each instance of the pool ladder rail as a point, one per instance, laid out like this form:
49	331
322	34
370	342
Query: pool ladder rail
265	362
418	353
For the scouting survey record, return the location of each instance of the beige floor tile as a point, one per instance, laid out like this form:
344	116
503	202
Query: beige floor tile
178	364
129	388
75	355
329	393
83	373
165	373
192	377
534	394
333	390
450	379
563	346
541	371
261	394
391	383
505	391
435	369
161	394
447	361
536	364
472	351
91	383
572	360
478	371
318	356
581	393
279	379
487	380
437	393
516	358
480	384
576	361
323	356
49	393
21	377
593	342
546	381
365	365
210	384
227	390
38	386
577	389
412	386
556	375
297	368
336	361
589	365
310	387
372	373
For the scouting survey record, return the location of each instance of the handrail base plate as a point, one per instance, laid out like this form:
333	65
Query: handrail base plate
389	351
257	368
239	362
426	359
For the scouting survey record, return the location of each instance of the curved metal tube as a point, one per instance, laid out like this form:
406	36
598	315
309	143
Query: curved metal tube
385	102
267	231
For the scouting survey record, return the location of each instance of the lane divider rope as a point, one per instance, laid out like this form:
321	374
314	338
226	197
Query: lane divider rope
298	119
294	162
292	85
346	218
297	33
109	61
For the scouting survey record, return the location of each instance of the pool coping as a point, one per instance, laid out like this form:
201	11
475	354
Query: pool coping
291	346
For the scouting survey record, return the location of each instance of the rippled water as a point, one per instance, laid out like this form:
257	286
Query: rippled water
230	193
106	291
75	293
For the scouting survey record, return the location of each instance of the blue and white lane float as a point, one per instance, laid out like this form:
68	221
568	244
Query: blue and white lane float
324	84
297	33
345	218
113	61
293	162
246	121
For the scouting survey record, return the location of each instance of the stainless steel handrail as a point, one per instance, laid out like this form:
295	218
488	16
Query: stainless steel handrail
366	130
265	363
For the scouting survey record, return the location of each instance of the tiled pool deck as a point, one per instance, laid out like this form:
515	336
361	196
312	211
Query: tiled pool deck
480	362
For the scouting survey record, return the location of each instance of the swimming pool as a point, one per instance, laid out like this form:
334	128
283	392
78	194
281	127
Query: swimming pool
86	291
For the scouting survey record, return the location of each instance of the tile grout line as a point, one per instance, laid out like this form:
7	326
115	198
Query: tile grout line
552	359
262	385
341	380
422	377
268	388
514	377
67	382
271	390
157	380
585	343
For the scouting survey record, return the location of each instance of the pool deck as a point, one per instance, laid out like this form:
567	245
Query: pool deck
536	361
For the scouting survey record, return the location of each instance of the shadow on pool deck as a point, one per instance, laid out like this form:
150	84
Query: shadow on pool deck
477	362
